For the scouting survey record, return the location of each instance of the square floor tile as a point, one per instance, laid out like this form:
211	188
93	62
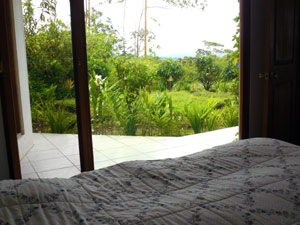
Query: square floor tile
176	142
170	153
40	155
60	173
120	152
107	145
101	138
75	159
30	175
159	138
129	140
60	140
40	143
70	150
117	137
26	168
43	147
149	147
24	160
98	156
51	164
133	158
103	164
39	139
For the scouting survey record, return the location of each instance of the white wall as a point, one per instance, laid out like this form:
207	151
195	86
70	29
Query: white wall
4	169
25	141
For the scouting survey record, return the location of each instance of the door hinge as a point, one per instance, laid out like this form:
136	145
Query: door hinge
1	66
265	76
1	69
268	76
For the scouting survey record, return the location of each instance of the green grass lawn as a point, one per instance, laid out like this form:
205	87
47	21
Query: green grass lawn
200	97
180	98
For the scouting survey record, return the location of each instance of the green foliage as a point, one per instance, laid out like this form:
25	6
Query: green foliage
170	71
69	104
49	57
222	87
134	74
103	102
53	117
213	121
158	111
208	71
198	115
49	47
126	91
102	44
231	115
236	58
127	113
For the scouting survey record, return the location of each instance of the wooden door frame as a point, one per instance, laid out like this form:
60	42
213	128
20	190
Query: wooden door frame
244	69
9	67
81	85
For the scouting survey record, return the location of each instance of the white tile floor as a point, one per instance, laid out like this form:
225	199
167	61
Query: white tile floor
57	155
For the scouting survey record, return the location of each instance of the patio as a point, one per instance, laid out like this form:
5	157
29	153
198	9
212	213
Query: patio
57	155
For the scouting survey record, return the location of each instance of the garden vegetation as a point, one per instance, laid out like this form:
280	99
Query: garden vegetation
129	95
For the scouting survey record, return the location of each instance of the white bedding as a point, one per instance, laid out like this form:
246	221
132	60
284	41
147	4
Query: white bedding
254	181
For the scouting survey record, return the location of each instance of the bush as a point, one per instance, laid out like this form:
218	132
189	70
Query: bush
158	115
103	101
231	115
222	87
49	57
170	71
52	118
197	116
133	74
208	71
70	104
213	121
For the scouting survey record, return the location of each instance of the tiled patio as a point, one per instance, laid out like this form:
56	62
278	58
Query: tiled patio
57	155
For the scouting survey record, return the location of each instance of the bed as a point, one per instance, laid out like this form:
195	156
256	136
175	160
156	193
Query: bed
255	181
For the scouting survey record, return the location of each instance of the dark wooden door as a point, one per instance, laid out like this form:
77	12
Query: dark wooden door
281	63
273	77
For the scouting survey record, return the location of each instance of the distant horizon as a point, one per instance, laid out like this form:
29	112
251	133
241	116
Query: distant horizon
179	55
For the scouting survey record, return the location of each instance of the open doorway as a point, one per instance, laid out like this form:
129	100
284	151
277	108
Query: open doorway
157	91
141	107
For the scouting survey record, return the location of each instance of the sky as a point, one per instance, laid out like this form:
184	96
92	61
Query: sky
179	32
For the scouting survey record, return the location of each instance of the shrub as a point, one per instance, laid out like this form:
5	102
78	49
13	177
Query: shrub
208	71
133	74
102	100
70	104
53	118
170	71
231	115
213	121
222	87
156	112
198	115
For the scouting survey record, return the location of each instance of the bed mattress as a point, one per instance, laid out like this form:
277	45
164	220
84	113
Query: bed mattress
255	181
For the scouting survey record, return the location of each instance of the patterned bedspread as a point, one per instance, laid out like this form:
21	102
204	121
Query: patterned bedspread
254	181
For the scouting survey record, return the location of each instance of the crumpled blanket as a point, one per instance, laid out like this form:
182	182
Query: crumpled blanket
255	181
